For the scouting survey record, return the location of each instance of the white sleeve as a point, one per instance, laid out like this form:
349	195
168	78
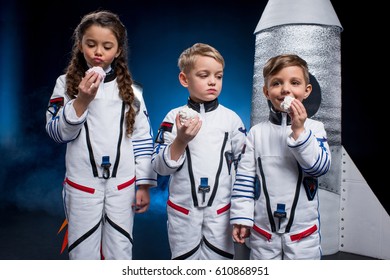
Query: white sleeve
311	149
62	123
162	162
243	192
142	139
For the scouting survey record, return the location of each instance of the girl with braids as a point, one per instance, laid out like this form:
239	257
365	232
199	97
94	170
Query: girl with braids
103	120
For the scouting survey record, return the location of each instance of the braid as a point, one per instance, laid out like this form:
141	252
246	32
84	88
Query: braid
74	73
126	92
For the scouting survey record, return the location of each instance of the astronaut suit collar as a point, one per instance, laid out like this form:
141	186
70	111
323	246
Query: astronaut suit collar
208	106
276	117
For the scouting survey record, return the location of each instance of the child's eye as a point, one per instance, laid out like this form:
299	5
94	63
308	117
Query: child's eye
296	83
108	47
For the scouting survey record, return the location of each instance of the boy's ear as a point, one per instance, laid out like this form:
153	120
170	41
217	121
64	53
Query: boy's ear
308	90
265	91
183	79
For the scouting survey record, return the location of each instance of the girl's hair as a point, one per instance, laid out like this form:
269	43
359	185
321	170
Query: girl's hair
277	63
187	58
77	65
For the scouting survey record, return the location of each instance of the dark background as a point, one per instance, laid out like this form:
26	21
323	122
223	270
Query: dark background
35	47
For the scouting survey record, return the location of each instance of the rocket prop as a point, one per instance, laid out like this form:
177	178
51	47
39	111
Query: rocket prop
352	218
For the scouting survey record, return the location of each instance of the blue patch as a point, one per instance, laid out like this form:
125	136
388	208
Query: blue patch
311	186
321	141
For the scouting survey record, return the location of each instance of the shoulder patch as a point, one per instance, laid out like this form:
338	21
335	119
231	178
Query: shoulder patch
164	127
54	105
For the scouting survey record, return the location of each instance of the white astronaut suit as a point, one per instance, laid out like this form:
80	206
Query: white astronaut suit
103	168
281	207
201	181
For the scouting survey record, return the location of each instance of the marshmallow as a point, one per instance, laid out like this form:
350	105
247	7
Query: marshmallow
285	105
187	113
99	70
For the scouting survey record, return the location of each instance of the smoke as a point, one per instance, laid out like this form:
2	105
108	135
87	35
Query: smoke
32	168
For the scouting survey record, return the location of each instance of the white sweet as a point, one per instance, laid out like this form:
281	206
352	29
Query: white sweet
99	70
285	105
187	113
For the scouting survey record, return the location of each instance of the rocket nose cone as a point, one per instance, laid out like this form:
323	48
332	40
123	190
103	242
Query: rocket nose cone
282	12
